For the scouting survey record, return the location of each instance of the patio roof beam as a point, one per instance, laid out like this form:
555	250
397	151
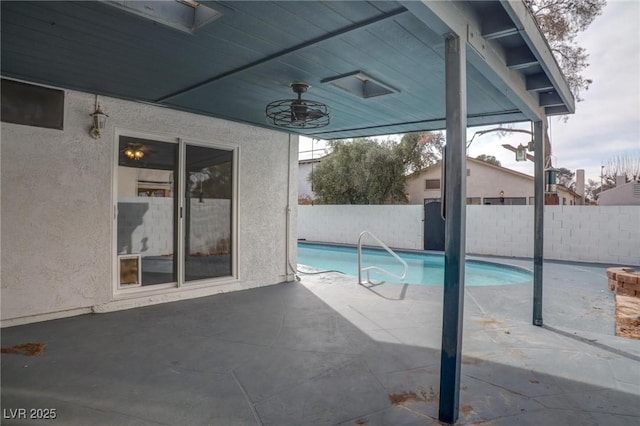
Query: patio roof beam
296	48
532	35
550	99
455	219
487	56
520	58
539	83
557	110
498	25
432	124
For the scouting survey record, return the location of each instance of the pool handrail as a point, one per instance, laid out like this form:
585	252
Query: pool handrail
377	268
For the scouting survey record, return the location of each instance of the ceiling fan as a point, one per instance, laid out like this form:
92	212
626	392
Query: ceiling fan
298	113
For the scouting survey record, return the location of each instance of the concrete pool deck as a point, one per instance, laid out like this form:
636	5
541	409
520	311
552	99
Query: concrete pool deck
327	351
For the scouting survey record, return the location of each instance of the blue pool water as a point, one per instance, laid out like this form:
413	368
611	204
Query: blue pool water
424	268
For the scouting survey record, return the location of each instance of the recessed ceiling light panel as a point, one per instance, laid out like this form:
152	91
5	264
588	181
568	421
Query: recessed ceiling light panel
183	15
360	84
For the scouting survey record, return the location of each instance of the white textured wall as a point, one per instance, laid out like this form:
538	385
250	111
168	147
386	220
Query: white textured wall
396	226
57	215
605	234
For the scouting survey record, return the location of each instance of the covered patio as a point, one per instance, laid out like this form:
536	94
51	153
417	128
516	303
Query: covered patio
326	351
190	71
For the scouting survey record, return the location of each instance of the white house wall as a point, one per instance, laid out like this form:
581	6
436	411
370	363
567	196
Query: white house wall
627	194
483	181
58	217
606	234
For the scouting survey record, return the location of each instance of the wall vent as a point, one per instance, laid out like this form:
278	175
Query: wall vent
31	105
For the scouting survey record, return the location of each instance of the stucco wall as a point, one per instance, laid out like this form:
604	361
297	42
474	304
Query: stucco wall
484	181
57	215
608	234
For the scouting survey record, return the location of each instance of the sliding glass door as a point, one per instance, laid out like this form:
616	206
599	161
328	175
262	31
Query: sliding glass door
175	206
208	207
147	205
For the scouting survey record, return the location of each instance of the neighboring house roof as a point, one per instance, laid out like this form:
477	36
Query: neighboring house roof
471	160
311	160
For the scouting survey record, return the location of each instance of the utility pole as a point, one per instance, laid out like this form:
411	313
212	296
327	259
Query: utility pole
601	181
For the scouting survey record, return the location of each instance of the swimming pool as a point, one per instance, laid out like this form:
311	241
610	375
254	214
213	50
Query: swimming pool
424	268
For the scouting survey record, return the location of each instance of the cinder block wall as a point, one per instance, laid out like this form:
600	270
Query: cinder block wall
604	234
148	225
396	226
500	230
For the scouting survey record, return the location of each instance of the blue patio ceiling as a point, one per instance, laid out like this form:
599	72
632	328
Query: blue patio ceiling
235	65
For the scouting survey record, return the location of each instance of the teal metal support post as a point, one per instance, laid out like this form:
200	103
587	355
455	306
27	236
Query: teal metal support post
455	218
538	224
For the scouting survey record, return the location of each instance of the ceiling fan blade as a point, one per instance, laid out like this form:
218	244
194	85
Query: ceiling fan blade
315	114
299	112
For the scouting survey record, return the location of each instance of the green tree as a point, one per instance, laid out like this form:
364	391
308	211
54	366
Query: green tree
365	171
489	159
593	189
565	177
419	149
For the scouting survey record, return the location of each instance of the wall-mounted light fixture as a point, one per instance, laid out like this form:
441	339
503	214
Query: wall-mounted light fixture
521	153
552	180
133	153
99	121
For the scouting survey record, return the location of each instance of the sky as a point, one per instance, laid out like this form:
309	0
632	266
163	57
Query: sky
606	123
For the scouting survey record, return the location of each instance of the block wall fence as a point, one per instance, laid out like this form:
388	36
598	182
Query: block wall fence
599	234
146	225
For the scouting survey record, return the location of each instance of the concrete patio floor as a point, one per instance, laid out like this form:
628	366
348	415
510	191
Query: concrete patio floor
327	351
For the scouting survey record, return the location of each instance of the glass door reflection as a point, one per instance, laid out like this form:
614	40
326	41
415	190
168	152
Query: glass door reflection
147	205
208	212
